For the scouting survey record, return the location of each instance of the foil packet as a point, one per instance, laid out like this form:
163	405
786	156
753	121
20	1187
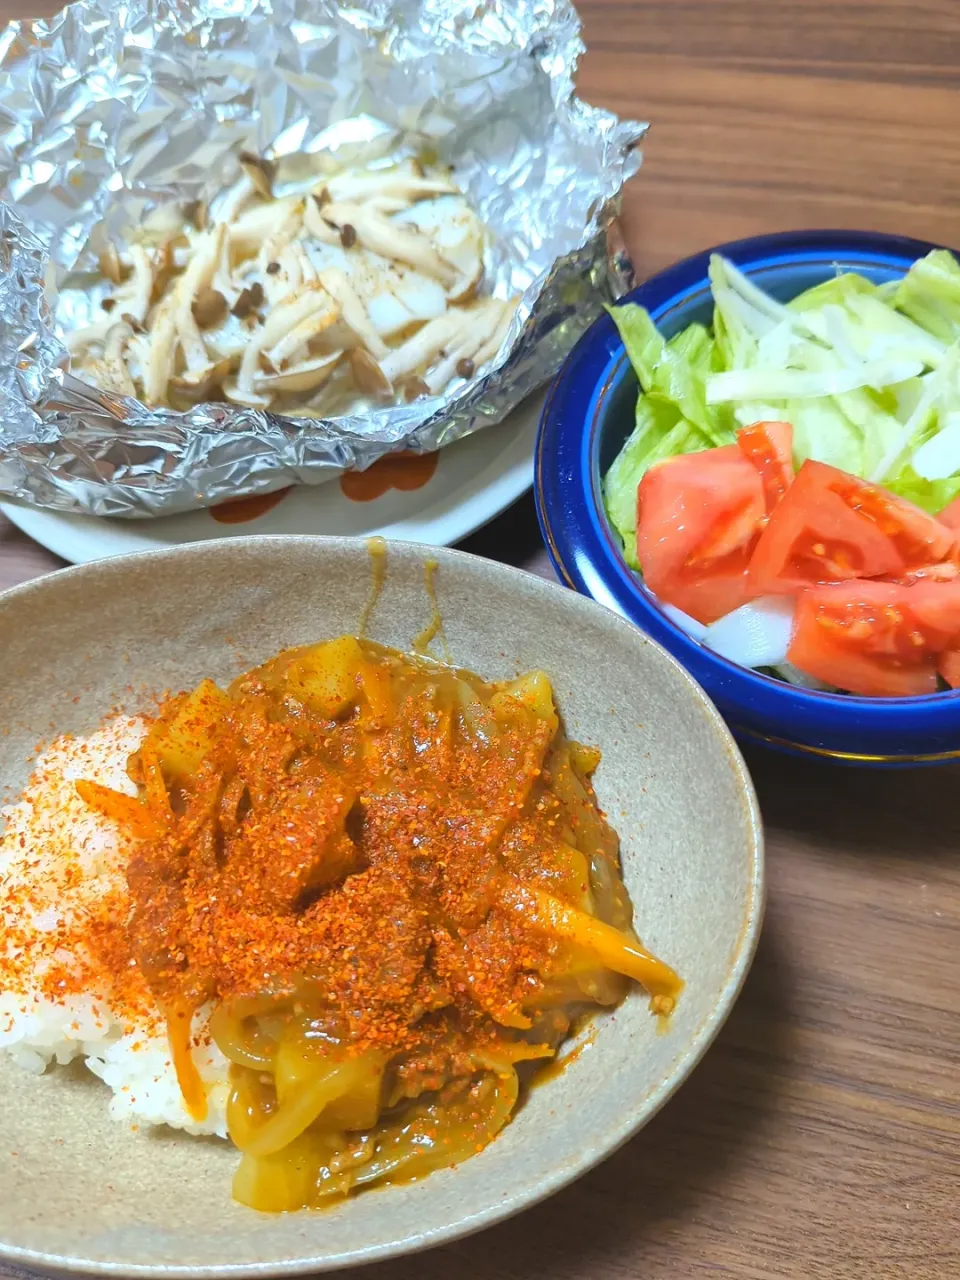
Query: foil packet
108	111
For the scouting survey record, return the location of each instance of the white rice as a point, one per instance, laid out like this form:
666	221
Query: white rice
58	860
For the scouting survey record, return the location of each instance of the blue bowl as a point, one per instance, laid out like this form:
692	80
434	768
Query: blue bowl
588	415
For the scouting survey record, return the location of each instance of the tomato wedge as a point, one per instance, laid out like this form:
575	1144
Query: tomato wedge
934	608
950	515
949	667
831	526
876	638
945	571
698	516
769	447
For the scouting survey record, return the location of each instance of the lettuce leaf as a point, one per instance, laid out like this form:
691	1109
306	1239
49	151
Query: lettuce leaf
869	376
675	372
935	406
672	414
932	495
930	294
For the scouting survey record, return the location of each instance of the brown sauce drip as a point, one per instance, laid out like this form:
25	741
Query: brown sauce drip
404	471
377	551
434	628
240	510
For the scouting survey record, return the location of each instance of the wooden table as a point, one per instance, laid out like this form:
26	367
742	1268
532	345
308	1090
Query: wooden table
821	1135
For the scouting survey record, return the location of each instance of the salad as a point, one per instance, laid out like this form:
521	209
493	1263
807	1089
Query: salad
791	488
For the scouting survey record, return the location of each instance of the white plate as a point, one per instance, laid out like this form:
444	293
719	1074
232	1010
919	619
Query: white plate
475	479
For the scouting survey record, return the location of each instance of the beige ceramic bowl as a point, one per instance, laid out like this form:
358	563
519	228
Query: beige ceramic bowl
80	1192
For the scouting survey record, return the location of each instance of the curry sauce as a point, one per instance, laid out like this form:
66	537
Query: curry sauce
391	882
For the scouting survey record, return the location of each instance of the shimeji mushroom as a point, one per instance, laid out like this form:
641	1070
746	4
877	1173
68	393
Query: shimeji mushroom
458	236
243	393
234	200
165	222
392	240
352	310
309	375
290	310
223	279
229	341
287	273
91	334
308	272
197	213
137	301
301	335
109	371
165	267
316	226
406	182
249	231
131	301
283	319
285	230
478	325
394	296
210	308
108	261
495	342
158	361
201	370
420	351
288	291
296	270
369	375
199	384
387	205
283	276
259	171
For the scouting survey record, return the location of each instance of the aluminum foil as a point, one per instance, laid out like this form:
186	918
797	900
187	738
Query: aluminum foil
108	110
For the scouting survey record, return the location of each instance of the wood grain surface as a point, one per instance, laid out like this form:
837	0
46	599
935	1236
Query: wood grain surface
821	1135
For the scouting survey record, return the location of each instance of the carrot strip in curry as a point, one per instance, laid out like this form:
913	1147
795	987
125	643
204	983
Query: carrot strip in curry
179	1022
611	947
128	811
